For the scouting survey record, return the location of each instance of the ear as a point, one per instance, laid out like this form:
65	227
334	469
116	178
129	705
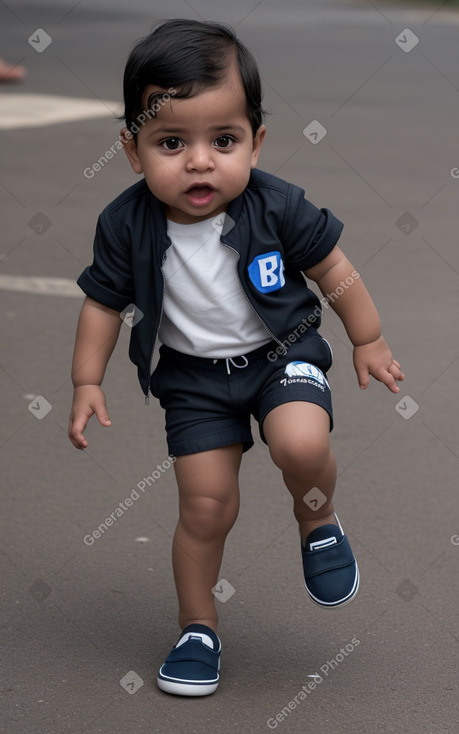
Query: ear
130	148
257	143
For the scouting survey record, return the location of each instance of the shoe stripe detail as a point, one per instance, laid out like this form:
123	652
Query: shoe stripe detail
325	543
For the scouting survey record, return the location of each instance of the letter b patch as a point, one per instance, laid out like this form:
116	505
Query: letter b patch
267	272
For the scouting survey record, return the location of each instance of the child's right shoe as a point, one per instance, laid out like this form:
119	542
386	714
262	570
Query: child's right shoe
191	669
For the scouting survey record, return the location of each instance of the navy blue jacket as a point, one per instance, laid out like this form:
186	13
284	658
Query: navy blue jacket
274	230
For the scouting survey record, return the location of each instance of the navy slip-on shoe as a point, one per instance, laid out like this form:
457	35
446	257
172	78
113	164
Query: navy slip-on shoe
331	574
191	669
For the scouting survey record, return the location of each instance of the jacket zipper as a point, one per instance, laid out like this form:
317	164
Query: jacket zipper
273	337
147	395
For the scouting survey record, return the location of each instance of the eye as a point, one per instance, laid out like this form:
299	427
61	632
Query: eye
172	144
224	141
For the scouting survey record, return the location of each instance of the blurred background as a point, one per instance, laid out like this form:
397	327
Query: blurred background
363	107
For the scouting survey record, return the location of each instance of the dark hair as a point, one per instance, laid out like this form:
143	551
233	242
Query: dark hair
189	55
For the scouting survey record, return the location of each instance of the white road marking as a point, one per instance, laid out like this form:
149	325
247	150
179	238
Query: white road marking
43	286
38	110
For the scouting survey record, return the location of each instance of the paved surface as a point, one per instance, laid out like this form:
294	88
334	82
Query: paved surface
77	619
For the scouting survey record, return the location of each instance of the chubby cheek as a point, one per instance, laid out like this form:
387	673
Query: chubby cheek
160	179
151	164
241	177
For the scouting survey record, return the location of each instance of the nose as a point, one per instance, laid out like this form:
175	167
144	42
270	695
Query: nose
200	158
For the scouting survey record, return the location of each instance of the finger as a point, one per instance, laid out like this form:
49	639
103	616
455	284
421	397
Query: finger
389	381
102	415
78	440
396	371
363	376
76	436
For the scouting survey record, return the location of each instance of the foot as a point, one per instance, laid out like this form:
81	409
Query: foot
192	667
331	574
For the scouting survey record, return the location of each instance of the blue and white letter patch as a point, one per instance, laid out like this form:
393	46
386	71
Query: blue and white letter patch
306	372
267	272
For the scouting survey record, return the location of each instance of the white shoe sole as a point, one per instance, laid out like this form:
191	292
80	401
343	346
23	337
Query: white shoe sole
186	689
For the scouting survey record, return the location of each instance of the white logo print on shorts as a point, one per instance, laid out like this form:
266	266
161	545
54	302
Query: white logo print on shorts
305	372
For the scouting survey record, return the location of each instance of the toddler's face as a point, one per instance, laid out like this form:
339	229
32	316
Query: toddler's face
197	154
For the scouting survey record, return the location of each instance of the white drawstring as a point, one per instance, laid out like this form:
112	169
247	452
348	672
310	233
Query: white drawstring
239	366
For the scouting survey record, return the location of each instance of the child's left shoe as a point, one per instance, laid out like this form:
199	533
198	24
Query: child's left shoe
191	669
331	574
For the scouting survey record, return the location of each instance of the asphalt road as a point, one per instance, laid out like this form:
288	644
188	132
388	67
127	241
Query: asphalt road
86	624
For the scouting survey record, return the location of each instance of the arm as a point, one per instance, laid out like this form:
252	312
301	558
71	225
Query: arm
97	334
347	295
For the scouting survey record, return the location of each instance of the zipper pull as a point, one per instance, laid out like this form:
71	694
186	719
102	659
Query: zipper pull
147	400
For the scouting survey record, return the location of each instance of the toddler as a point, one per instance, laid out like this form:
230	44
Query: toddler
214	256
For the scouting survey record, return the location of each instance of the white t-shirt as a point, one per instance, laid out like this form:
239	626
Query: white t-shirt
205	311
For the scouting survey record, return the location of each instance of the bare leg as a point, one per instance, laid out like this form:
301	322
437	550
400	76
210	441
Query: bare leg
209	504
298	438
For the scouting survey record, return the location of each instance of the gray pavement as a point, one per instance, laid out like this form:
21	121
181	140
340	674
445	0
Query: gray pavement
84	626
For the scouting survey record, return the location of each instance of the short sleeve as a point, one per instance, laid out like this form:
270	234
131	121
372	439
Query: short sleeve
309	234
109	279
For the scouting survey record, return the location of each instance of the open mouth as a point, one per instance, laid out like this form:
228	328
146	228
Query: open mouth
200	193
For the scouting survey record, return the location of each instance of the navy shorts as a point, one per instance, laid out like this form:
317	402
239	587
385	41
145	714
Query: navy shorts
208	402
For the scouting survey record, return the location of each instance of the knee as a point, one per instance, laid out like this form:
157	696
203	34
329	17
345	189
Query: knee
302	454
207	517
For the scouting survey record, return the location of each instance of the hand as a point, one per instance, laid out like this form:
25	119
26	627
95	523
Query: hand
376	359
87	400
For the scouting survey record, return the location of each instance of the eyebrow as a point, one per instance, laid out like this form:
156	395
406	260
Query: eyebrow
174	130
238	128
